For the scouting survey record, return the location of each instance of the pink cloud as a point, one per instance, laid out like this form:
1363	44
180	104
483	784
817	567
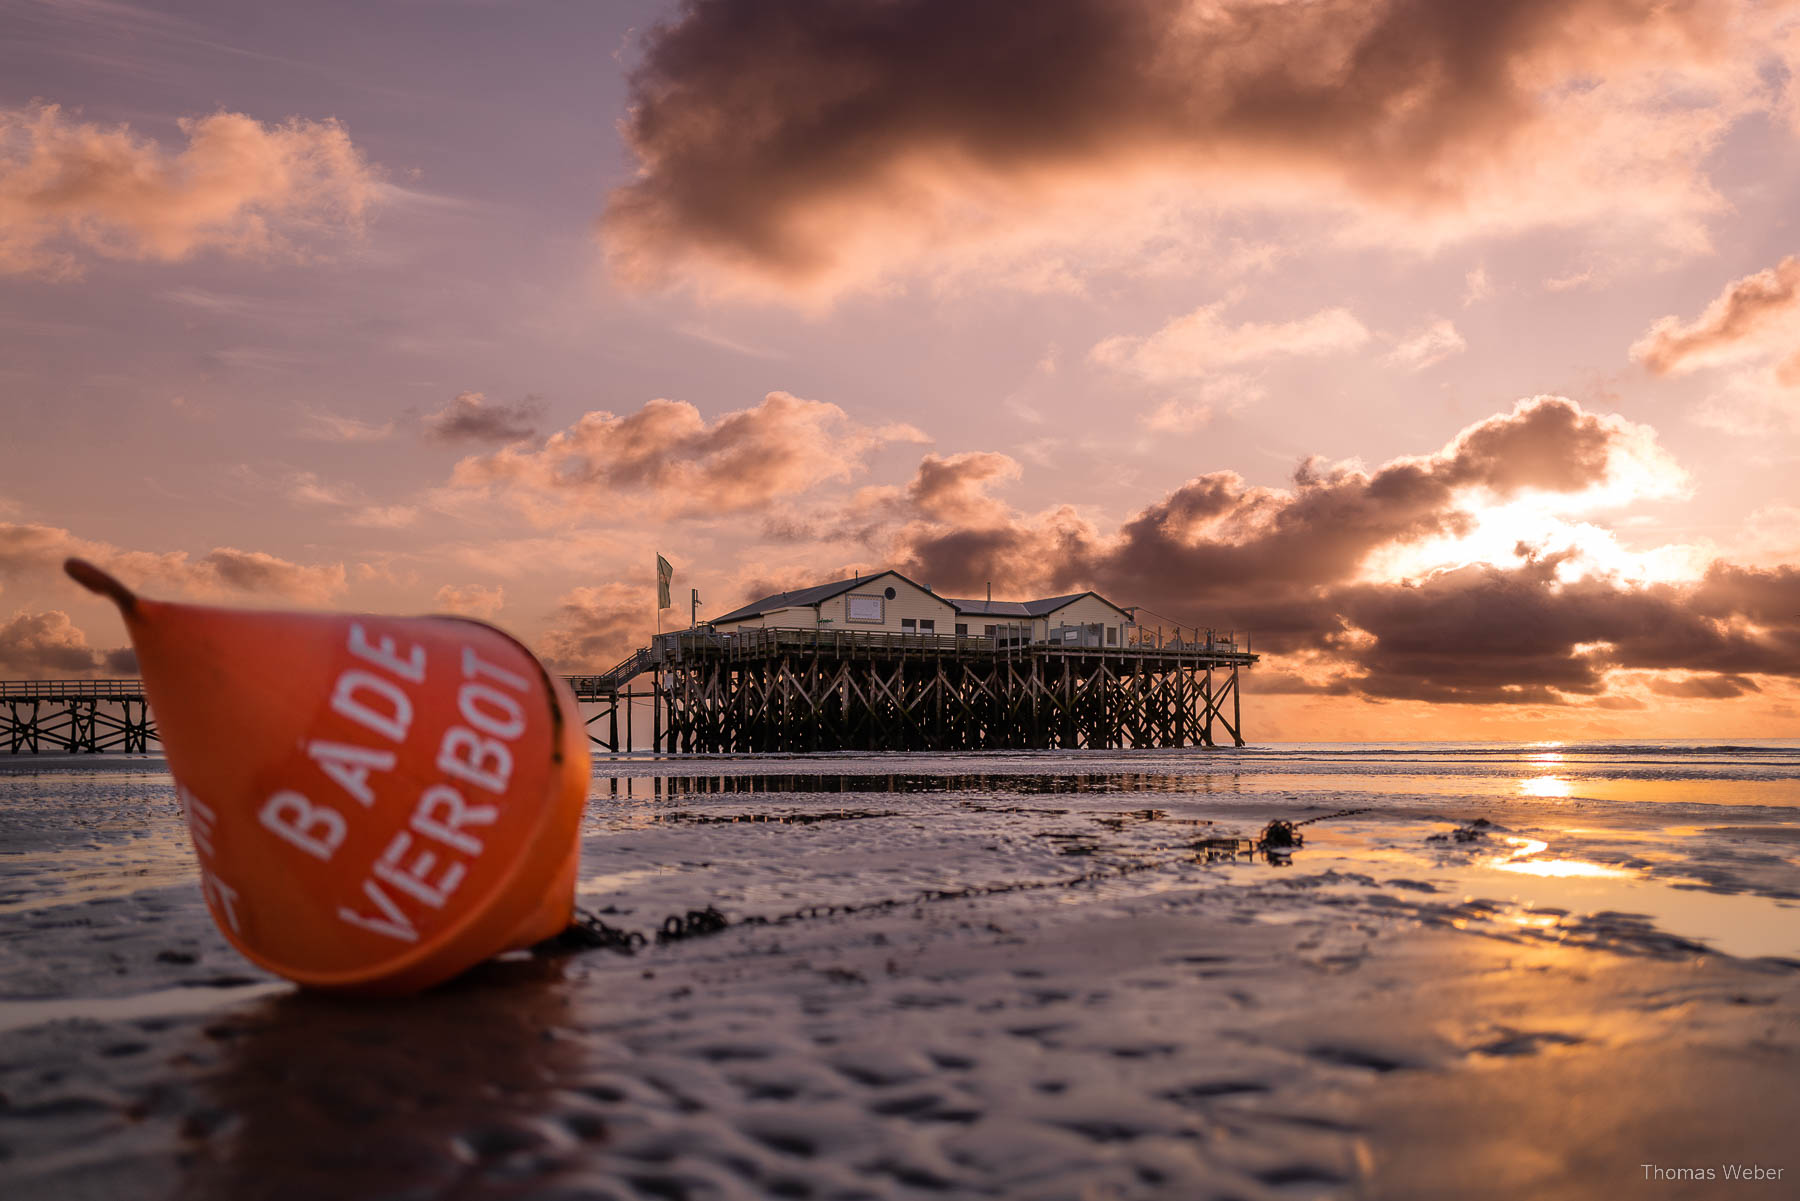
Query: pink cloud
1200	342
238	187
668	453
35	553
1756	316
595	627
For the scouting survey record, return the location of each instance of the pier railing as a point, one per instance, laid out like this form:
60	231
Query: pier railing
683	645
35	690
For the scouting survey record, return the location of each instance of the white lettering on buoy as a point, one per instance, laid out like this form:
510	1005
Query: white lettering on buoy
426	862
345	699
224	895
490	710
384	654
392	923
484	762
414	878
442	813
316	829
474	665
350	766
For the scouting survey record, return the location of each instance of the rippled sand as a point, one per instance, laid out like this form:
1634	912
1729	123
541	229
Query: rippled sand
1007	975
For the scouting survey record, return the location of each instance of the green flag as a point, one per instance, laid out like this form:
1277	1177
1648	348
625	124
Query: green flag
664	573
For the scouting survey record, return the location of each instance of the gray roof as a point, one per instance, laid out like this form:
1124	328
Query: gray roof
1030	608
808	596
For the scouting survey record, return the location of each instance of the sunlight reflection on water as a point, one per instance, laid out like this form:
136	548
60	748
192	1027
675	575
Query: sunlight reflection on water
1521	860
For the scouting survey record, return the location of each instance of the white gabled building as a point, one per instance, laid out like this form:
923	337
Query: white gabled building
886	602
889	602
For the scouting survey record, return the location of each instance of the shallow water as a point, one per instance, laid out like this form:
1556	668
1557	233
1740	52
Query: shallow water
1037	974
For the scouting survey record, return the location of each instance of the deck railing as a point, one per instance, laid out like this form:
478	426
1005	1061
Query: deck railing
680	645
70	689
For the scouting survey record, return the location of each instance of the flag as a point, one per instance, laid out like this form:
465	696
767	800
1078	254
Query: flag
664	573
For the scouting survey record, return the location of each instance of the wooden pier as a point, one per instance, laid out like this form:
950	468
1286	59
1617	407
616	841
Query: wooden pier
74	716
787	690
763	690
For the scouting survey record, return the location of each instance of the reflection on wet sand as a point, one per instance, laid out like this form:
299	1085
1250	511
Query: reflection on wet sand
1523	858
937	981
318	1097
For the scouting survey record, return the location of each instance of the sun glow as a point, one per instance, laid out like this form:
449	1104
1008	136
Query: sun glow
1537	522
1546	786
1520	860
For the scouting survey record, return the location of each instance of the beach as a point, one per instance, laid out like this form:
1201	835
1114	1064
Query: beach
1469	970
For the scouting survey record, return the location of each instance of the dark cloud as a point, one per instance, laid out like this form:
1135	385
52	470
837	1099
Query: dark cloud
1706	688
1763	595
1484	634
1286	566
470	417
776	138
1217	540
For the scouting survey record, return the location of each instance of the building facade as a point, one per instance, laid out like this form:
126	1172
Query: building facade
888	602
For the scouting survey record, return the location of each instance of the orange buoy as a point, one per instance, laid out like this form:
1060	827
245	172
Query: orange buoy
376	803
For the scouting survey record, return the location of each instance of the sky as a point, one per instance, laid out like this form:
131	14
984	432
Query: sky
1451	352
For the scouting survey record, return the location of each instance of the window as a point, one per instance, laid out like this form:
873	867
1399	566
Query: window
927	625
962	629
908	625
1112	635
867	608
988	630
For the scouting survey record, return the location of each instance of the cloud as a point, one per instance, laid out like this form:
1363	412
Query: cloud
263	574
1201	401
1755	316
35	553
321	426
472	601
1291	565
595	627
821	145
469	417
46	645
1704	688
1476	286
1192	346
1753	328
667	452
1218	535
70	188
308	488
1433	344
383	517
1482	634
955	487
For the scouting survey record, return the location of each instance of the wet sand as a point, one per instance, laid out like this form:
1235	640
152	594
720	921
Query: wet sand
1049	976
